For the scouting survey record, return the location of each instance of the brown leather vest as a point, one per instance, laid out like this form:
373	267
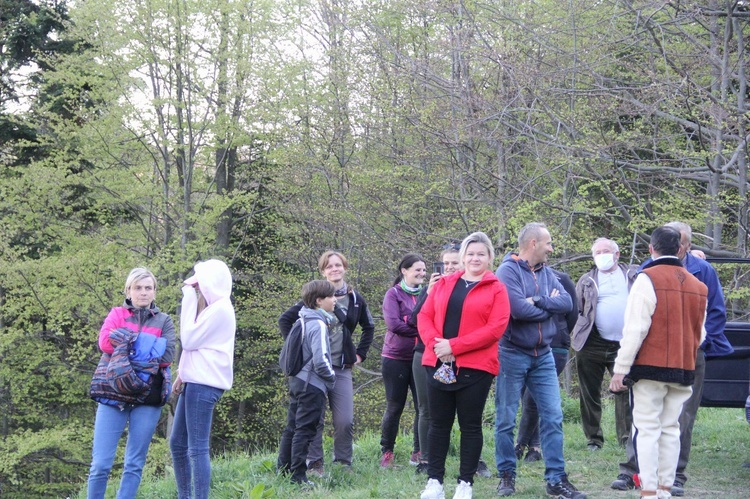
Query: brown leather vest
669	350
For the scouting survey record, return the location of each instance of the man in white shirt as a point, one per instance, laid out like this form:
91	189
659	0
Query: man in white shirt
602	294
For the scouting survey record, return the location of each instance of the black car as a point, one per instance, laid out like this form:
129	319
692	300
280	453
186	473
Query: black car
727	379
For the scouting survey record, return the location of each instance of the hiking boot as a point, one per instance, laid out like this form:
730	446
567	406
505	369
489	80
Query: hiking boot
564	490
482	470
594	447
463	491
433	490
519	451
507	485
533	456
316	468
678	489
623	482
415	458
387	460
421	468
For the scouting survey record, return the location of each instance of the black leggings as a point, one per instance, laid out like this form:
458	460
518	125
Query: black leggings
398	380
468	402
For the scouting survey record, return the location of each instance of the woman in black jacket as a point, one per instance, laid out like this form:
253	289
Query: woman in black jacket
351	310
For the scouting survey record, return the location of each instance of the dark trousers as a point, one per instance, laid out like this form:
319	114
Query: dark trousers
420	382
468	402
687	417
306	404
398	380
596	356
528	428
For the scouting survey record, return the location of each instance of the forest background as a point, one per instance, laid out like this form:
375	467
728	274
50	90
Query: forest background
263	132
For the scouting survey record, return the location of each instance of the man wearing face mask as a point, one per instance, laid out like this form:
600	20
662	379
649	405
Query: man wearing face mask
602	294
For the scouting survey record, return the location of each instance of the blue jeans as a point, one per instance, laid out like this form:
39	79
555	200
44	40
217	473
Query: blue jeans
539	376
528	428
191	438
108	428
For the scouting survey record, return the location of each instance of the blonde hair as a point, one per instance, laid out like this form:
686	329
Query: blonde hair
477	237
137	274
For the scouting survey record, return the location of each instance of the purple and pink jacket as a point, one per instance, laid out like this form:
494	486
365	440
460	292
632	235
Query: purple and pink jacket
139	320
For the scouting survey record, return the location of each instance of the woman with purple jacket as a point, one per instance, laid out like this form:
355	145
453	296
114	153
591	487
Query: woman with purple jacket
398	351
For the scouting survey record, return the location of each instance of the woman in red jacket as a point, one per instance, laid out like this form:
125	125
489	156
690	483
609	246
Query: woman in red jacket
460	324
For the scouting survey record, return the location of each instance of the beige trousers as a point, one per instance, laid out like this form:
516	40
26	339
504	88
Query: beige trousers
656	429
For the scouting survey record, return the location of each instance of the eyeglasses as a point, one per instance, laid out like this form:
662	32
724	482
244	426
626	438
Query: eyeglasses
452	246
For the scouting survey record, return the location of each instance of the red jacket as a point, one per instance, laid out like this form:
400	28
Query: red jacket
484	317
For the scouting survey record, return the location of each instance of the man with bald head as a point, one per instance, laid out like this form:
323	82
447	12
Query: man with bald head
536	296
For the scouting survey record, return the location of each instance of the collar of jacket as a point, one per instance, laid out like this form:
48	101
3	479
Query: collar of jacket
666	260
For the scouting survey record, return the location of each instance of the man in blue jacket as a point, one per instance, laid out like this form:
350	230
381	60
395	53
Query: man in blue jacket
526	359
715	345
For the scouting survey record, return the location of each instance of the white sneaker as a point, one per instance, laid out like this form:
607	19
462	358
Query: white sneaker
434	490
463	491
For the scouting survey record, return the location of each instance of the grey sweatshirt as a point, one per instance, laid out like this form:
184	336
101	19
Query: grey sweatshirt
317	348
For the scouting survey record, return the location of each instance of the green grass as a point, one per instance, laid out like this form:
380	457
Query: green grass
721	443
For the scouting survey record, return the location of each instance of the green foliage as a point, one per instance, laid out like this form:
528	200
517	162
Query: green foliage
160	134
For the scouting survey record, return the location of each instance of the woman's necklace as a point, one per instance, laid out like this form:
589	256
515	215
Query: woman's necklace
469	283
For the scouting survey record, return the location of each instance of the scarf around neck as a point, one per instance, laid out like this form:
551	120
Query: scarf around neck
342	290
410	290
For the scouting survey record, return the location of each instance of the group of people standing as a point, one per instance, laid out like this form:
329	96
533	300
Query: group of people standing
447	340
450	335
133	379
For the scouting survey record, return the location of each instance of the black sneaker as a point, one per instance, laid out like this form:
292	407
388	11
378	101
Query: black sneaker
564	490
303	482
623	482
519	451
678	489
507	485
482	470
421	468
533	456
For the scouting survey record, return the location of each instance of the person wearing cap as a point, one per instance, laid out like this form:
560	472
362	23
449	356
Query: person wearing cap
207	330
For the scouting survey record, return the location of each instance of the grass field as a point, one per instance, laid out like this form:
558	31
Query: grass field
721	444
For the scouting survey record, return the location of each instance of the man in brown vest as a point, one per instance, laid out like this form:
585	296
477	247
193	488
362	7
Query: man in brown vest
663	329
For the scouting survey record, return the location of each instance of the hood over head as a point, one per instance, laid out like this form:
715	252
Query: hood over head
214	280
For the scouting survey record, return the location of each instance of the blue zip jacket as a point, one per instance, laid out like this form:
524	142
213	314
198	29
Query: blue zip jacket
531	328
716	343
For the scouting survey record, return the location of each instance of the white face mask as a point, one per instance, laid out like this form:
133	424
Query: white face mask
604	261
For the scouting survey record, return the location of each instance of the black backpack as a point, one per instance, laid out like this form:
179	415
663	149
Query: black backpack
291	359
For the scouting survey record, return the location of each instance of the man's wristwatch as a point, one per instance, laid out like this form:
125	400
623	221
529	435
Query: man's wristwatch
536	299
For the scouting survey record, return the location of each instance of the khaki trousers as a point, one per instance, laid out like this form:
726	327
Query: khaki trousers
656	429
